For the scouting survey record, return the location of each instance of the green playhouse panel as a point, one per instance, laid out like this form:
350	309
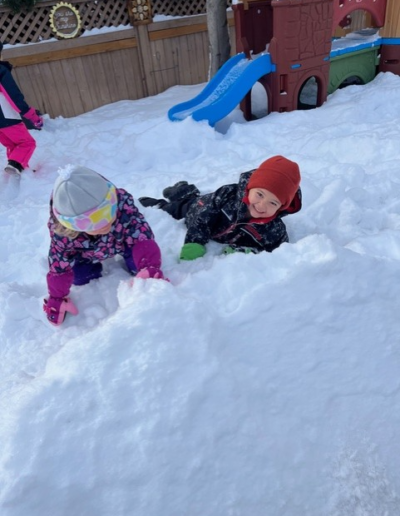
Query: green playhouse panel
362	64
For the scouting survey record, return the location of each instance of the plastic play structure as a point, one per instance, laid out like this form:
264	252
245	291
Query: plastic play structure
283	44
225	90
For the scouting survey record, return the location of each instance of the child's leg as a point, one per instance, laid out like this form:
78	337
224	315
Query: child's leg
180	191
180	197
86	271
6	142
177	209
130	264
20	145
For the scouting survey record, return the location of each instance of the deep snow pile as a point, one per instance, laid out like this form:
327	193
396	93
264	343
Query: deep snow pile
250	384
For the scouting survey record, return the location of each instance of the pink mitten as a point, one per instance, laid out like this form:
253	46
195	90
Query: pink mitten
57	307
150	272
33	117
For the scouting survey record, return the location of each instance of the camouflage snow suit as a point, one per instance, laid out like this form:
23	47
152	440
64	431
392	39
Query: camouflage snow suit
223	217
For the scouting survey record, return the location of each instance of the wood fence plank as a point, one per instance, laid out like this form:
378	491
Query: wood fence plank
134	78
165	69
70	53
146	60
392	23
52	100
184	53
106	80
39	83
160	31
115	65
97	79
157	66
199	73
206	59
82	86
176	32
42	81
177	22
73	83
113	70
89	75
70	103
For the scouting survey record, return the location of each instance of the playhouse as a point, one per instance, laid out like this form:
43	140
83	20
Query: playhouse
300	39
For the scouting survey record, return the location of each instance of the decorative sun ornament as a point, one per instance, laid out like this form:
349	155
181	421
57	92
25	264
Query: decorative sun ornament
141	11
65	20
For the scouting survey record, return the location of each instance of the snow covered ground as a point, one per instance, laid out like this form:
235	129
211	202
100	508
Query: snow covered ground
250	385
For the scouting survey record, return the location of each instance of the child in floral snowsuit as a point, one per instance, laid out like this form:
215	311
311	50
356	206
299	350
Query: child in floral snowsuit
91	220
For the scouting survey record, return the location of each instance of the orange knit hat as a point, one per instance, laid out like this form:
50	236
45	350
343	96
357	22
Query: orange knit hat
279	176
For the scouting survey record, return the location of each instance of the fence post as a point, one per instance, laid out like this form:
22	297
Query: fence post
140	16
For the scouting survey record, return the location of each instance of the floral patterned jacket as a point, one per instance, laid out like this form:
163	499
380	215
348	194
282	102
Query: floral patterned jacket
129	228
130	236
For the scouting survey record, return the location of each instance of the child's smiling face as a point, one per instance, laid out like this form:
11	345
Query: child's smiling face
262	203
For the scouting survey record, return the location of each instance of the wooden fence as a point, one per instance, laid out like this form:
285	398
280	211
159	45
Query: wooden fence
392	24
68	77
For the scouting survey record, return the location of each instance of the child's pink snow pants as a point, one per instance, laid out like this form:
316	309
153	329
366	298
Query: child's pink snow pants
19	143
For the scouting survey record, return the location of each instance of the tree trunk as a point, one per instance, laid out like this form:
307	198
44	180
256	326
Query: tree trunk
218	34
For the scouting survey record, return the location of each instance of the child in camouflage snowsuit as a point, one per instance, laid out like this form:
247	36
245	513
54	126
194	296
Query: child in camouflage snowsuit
245	216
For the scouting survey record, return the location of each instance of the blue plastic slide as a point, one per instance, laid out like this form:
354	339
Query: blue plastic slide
225	90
